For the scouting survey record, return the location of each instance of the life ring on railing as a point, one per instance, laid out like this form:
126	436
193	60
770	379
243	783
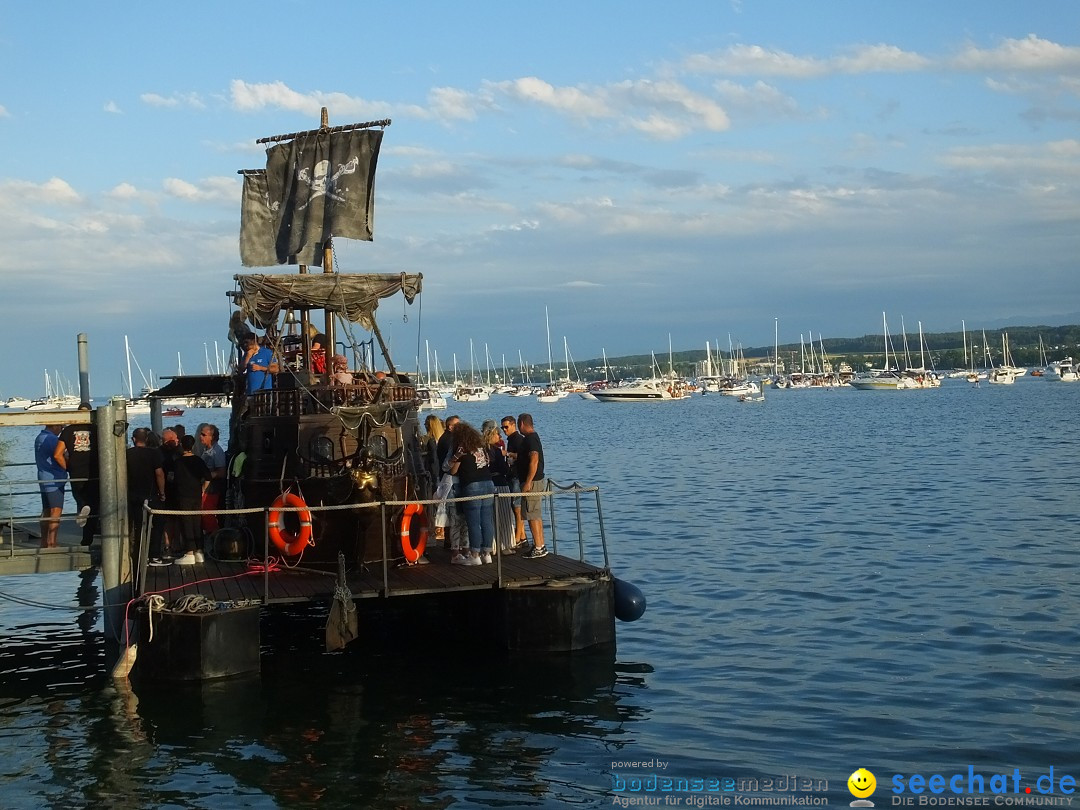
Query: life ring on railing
413	551
286	541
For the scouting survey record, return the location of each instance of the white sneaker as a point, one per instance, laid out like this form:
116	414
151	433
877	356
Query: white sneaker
470	560
485	558
81	518
187	559
199	558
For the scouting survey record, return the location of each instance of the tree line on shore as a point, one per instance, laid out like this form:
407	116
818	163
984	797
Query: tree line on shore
943	351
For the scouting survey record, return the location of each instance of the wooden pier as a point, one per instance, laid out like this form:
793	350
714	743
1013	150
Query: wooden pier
21	552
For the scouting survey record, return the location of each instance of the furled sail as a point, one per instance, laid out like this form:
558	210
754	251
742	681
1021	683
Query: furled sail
355	296
318	185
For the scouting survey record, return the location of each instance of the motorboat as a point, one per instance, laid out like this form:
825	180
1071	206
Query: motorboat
654	390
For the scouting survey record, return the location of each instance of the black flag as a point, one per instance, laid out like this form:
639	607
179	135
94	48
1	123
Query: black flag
324	185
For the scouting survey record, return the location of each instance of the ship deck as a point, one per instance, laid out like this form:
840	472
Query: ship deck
227	581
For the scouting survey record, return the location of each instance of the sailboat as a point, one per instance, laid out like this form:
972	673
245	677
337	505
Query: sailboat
551	393
1006	373
428	396
1043	367
883	379
472	391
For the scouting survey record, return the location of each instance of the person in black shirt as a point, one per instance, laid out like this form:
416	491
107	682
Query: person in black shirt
192	477
514	439
471	464
530	472
146	483
77	453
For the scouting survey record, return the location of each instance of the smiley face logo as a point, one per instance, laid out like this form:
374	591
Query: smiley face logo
861	783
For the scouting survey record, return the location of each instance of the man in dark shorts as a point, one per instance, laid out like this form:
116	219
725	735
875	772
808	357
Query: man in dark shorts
530	472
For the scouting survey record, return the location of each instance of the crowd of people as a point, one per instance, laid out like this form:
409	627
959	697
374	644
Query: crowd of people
175	471
473	465
188	473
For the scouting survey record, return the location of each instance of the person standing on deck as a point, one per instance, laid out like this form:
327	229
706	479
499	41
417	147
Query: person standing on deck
146	484
514	438
256	364
214	458
501	475
470	462
165	538
454	536
51	478
193	478
76	452
530	472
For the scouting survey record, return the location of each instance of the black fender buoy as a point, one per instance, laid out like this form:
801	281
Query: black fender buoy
629	601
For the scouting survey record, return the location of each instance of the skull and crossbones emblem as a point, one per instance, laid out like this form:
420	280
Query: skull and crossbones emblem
324	184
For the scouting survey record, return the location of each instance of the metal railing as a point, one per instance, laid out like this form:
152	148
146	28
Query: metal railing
552	491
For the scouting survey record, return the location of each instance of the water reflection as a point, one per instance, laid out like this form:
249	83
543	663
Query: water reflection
384	729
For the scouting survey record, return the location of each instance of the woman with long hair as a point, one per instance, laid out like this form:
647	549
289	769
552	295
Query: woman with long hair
470	463
500	476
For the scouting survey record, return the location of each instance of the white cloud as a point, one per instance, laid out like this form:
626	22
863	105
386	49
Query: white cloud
251	97
450	103
3	112
1055	158
663	110
53	190
112	107
1028	54
124	191
569	100
754	60
211	189
190	100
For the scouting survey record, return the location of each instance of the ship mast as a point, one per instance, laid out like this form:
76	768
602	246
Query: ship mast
328	246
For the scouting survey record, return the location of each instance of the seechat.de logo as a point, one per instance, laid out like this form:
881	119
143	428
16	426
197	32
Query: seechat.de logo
862	785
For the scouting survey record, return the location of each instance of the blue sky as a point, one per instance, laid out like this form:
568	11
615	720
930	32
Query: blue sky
697	169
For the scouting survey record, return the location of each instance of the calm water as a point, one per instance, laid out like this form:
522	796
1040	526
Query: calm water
835	579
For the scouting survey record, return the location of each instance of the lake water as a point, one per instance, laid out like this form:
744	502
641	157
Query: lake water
835	579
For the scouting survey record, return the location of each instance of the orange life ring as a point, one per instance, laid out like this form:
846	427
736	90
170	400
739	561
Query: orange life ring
286	541
412	551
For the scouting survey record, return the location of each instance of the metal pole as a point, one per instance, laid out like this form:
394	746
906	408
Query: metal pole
84	370
111	422
603	534
155	415
580	528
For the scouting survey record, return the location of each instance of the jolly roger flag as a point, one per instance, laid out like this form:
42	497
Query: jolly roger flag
323	185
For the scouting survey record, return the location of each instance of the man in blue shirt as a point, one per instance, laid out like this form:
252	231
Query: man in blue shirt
257	360
51	480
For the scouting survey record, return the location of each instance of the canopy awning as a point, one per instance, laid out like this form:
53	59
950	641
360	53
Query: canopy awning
352	295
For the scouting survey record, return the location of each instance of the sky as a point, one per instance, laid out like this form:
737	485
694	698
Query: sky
647	174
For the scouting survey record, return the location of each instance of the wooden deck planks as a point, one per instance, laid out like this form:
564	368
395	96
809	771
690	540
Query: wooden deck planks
225	581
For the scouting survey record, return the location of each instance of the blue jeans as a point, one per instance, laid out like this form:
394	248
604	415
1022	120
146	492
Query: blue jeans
480	515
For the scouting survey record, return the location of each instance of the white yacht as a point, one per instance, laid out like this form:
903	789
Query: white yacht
654	390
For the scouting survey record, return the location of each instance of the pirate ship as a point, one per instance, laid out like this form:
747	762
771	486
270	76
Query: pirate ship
324	434
326	467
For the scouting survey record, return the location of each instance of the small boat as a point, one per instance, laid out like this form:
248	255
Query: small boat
429	399
655	390
549	395
173	412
